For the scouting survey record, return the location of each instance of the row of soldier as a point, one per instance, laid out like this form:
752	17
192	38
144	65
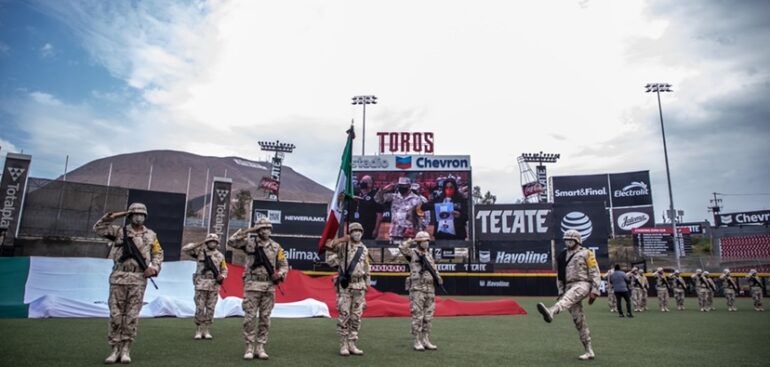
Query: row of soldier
137	256
702	282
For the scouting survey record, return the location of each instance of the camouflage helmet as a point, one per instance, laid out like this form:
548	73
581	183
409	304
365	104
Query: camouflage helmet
137	208
263	223
752	271
355	227
573	235
634	269
705	272
698	271
422	236
211	237
676	271
659	270
727	271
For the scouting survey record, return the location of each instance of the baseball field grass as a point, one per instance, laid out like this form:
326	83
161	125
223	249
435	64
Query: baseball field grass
652	338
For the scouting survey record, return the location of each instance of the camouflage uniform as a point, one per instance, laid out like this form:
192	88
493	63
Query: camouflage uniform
661	282
711	287
729	287
645	291
757	290
404	221
351	301
205	283
637	288
611	299
127	281
258	287
582	278
422	292
701	286
679	289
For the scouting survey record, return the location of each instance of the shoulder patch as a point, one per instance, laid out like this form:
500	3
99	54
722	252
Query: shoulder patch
281	255
591	260
155	246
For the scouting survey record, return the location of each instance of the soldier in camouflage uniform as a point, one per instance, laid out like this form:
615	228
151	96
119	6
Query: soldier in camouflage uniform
422	290
258	284
127	280
730	286
701	287
645	290
710	289
612	301
351	284
679	289
637	288
757	289
206	283
661	286
579	277
404	220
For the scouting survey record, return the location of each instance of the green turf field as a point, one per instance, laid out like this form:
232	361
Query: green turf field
652	338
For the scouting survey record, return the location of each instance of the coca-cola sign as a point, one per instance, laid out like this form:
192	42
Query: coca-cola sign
532	188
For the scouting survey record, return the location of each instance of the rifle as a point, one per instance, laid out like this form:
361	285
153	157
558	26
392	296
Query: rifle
666	283
343	274
260	258
731	283
208	264
425	265
710	285
131	252
755	282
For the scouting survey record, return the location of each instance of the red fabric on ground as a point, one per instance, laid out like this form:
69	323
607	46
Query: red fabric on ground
299	286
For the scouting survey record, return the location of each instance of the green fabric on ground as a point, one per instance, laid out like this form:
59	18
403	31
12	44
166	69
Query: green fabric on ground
13	280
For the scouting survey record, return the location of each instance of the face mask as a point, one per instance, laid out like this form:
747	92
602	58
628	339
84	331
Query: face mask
356	236
211	245
570	243
424	245
364	185
403	190
449	192
137	219
265	233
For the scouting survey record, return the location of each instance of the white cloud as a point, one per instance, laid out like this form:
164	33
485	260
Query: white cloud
4	48
492	80
47	51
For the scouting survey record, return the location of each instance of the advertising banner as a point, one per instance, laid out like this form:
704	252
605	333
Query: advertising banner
741	218
301	252
626	219
659	241
591	219
516	255
631	188
513	222
291	218
219	213
568	189
165	216
13	188
416	163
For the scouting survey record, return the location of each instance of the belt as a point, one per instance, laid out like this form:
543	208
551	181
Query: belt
206	275
257	277
355	279
128	268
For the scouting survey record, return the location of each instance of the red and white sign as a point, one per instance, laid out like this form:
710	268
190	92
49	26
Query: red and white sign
405	142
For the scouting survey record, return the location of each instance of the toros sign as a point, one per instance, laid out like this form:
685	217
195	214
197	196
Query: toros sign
405	142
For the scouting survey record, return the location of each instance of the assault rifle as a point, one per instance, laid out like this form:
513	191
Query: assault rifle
425	265
131	252
260	259
209	265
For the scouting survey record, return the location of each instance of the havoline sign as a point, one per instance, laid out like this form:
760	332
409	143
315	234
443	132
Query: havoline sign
741	218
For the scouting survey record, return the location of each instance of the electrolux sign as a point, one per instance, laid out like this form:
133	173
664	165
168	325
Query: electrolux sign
411	163
580	188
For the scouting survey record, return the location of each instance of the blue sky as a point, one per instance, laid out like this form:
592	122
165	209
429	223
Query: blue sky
92	78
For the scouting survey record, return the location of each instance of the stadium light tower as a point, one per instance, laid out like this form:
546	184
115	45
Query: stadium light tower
280	149
657	88
364	100
542	177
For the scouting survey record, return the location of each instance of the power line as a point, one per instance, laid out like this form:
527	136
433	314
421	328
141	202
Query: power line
752	194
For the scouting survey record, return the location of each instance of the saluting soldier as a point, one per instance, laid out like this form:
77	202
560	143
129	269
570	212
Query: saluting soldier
210	272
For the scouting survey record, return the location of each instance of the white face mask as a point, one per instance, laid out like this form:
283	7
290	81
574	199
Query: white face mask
137	219
211	245
570	243
265	233
424	245
356	236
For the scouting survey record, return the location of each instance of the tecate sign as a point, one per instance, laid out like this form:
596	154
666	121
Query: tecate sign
631	220
513	221
636	188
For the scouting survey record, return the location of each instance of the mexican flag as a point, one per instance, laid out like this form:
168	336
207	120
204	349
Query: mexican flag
342	194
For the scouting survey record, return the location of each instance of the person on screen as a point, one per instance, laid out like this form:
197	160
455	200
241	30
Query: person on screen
450	210
366	210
